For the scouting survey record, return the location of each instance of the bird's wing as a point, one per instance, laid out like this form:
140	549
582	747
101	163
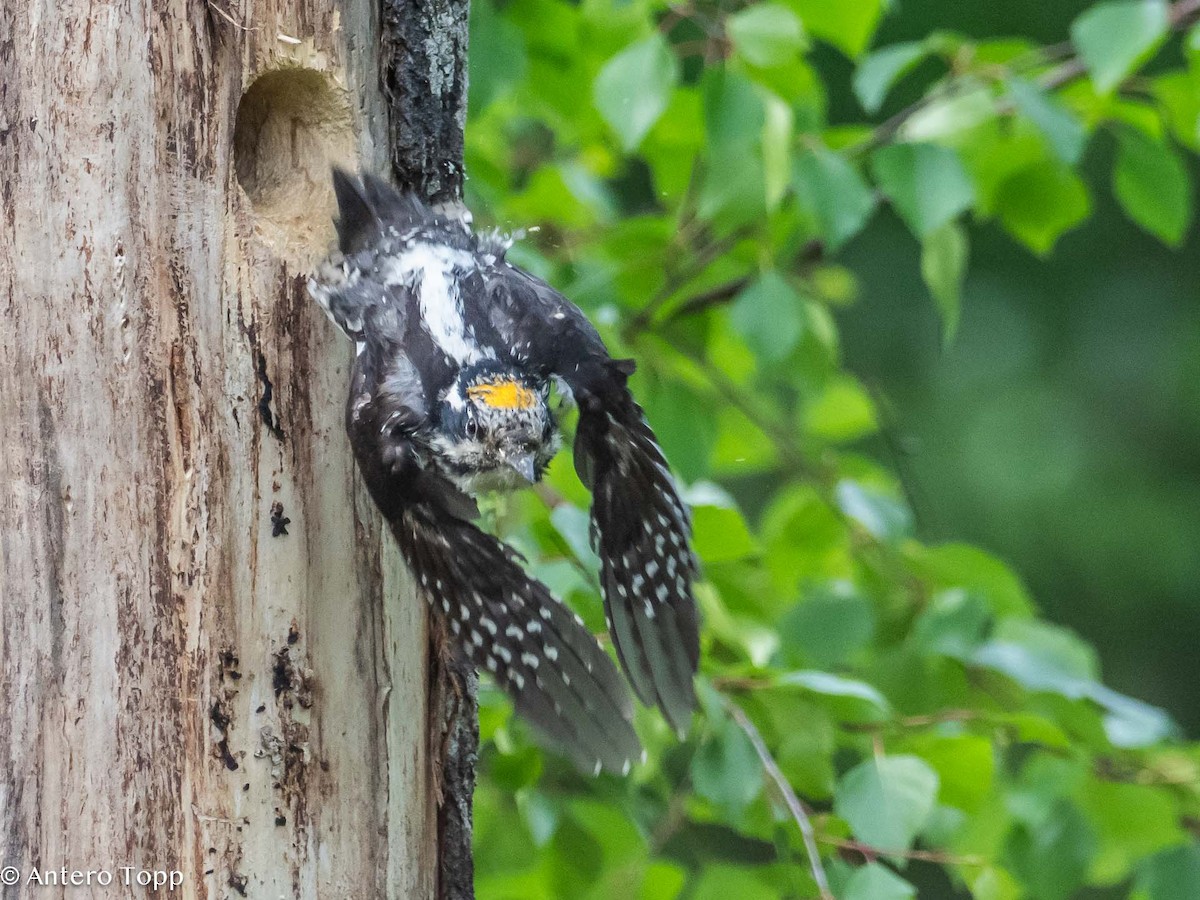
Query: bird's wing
540	653
641	526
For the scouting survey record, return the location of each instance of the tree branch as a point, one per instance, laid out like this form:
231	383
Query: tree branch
795	806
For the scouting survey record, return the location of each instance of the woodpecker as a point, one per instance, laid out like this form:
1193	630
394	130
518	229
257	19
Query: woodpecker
450	397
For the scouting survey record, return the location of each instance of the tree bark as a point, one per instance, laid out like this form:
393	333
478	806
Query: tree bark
211	659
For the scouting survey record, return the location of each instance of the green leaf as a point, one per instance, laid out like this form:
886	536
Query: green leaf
746	636
539	813
721	534
1052	857
1152	185
965	765
880	70
634	88
677	136
1065	133
804	537
887	800
926	183
614	831
979	573
1132	822
687	440
953	624
876	882
720	531
1115	38
735	121
663	881
995	884
768	315
1042	657
766	35
733	110
831	191
1044	783
807	738
856	700
778	126
847	26
843	412
726	769
548	198
1172	874
735	186
574	524
1129	722
577	859
722	882
1178	96
944	266
827	628
1038	203
883	516
948	118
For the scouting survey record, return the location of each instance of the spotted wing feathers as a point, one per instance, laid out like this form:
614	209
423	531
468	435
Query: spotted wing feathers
643	536
640	523
509	625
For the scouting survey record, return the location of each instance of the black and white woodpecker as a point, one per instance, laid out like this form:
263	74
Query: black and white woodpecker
450	397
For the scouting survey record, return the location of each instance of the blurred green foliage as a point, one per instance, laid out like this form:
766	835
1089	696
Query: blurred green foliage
690	189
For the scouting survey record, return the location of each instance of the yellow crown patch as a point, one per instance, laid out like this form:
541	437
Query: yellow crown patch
505	394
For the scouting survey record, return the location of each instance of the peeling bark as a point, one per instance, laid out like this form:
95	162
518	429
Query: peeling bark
184	684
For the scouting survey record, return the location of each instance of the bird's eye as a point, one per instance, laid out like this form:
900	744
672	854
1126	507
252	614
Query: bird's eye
472	427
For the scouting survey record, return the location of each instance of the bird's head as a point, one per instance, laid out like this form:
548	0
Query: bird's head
498	431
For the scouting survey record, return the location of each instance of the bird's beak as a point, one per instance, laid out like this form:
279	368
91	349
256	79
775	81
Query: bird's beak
524	466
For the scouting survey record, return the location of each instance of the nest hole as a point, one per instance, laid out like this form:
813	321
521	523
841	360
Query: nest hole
292	125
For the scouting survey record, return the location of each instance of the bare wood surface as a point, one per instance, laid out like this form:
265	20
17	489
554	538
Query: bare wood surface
182	685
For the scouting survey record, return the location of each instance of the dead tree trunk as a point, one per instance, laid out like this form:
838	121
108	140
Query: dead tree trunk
211	659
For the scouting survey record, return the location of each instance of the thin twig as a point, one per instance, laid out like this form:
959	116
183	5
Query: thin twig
722	293
913	722
889	128
795	806
677	278
1070	71
933	856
